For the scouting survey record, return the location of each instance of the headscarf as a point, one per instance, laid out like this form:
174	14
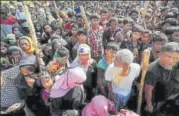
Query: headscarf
72	77
124	112
32	48
83	49
99	106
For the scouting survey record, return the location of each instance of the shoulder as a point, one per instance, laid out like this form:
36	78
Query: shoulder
135	66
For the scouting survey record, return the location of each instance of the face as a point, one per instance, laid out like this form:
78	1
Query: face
16	31
3	49
84	58
136	35
48	51
95	21
57	45
113	25
169	59
13	11
175	36
110	54
47	82
145	37
48	29
24	44
15	56
104	16
58	32
134	16
74	30
12	40
118	62
38	27
128	27
82	38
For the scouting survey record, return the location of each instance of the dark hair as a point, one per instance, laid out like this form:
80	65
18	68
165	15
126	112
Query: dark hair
170	47
133	11
137	28
171	21
103	11
170	15
112	45
113	19
62	52
128	20
94	16
70	14
81	31
159	36
12	49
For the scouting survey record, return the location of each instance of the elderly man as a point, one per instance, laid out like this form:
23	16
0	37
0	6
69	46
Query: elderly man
120	76
162	83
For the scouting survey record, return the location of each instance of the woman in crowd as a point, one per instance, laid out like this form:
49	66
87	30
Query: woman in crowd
89	66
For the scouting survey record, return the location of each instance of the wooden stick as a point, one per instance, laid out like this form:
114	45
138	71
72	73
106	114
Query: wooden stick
145	63
84	17
59	19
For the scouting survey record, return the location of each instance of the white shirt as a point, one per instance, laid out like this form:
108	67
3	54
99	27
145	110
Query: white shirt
123	85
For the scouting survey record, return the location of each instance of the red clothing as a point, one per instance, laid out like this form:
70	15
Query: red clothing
9	21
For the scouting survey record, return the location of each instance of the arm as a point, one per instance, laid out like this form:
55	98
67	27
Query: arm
100	77
148	94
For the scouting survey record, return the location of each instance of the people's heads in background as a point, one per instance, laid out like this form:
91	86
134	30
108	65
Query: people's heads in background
82	36
169	22
145	35
158	40
95	19
12	10
113	23
128	24
80	20
120	22
4	14
48	29
11	38
14	54
136	32
134	15
20	6
111	49
103	14
173	33
74	29
15	30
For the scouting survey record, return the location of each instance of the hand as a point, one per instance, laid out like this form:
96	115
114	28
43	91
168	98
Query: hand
13	107
149	108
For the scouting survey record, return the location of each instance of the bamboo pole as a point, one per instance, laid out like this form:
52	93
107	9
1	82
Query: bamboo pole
32	32
145	63
84	17
59	19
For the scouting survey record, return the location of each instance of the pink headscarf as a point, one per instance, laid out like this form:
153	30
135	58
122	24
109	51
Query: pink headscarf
99	106
65	82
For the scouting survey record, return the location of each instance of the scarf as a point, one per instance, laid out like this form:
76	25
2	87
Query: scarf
32	47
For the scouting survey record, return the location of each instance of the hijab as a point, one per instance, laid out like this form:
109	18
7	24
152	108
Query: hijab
99	106
32	47
70	79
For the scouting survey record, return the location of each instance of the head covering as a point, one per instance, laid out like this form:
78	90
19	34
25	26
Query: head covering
32	48
74	76
11	37
84	49
18	35
13	48
99	106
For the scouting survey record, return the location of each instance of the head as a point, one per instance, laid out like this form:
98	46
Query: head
95	19
3	12
169	55
134	15
15	30
74	29
11	39
26	44
47	51
128	24
137	32
20	6
13	10
84	54
120	22
111	49
14	54
103	14
80	20
169	22
145	36
4	48
175	34
113	23
47	29
81	35
123	59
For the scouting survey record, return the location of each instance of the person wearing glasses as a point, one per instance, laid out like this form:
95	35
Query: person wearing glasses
161	82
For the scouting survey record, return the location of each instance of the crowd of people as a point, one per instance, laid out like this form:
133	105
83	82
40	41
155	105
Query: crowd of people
89	63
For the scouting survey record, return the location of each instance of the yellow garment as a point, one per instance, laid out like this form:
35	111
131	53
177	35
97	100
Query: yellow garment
32	48
117	78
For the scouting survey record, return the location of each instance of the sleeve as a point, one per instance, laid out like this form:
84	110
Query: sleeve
138	69
11	73
78	98
150	78
105	39
108	74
